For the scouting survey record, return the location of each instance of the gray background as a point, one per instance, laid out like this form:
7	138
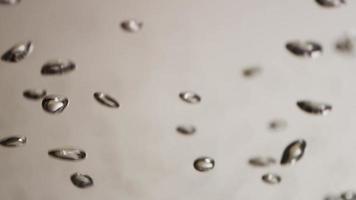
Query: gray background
134	152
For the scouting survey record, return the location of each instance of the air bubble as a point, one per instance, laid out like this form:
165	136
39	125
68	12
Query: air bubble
131	25
346	44
13	141
271	178
260	161
251	72
316	108
106	100
71	154
277	125
348	195
10	2
34	94
331	3
204	164
186	129
54	103
82	180
307	49
190	97
57	67
293	152
18	52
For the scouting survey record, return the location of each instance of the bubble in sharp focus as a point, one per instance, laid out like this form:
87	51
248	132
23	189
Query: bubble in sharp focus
58	67
293	152
106	100
204	164
18	52
190	97
346	44
331	3
131	25
70	154
82	180
13	141
313	107
277	125
307	49
260	161
251	72
186	129
348	195
271	178
54	103
9	2
34	94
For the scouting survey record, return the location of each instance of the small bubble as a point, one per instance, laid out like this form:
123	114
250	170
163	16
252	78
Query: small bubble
190	97
204	164
9	2
348	195
262	161
186	129
346	44
277	125
293	152
331	3
271	178
251	72
54	103
13	141
18	52
34	94
81	180
71	154
131	25
305	49
313	107
106	100
57	67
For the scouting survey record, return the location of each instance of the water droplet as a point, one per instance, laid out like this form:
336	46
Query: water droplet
81	180
71	154
131	25
348	195
277	125
271	178
57	67
262	161
190	97
13	141
9	2
331	3
305	49
346	44
106	100
54	103
251	72
313	107
204	164
34	94
18	52
186	129
293	152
